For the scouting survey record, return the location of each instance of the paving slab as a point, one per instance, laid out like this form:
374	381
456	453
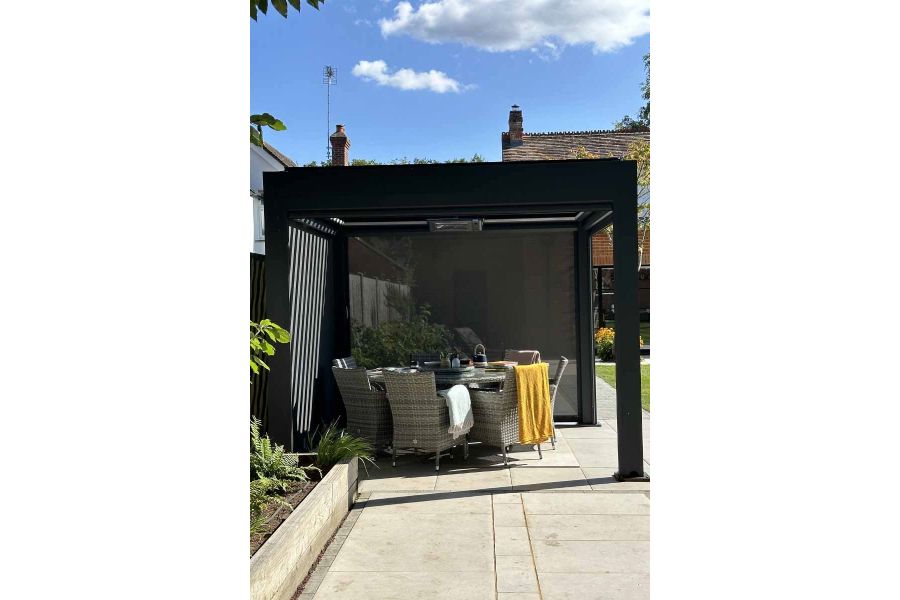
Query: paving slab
511	541
441	503
586	504
535	479
616	527
595	452
509	515
598	556
516	574
594	586
407	585
404	477
384	542
472	478
588	432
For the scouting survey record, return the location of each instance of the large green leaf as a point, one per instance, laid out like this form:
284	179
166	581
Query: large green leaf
267	120
281	6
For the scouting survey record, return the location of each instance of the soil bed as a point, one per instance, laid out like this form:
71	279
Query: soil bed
276	514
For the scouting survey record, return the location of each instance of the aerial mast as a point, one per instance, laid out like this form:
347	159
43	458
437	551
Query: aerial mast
329	78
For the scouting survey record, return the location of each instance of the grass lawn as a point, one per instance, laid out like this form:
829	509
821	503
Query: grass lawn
608	374
645	330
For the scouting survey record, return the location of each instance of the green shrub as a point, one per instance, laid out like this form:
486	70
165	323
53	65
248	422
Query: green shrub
604	344
268	461
390	343
335	445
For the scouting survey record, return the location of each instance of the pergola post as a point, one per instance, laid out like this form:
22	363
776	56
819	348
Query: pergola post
627	340
584	337
278	309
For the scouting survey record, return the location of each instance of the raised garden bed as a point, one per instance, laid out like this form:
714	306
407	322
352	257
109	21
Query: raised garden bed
282	561
276	514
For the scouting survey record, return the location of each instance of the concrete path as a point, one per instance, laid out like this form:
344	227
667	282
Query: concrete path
551	529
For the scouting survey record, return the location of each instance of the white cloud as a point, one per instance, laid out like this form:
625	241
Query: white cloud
507	25
407	79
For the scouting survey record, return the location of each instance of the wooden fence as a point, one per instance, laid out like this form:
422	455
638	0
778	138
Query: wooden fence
369	303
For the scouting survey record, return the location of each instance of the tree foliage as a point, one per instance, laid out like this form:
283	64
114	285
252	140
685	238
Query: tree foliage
281	6
639	152
642	121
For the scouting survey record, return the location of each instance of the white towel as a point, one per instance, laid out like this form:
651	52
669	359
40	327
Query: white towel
460	406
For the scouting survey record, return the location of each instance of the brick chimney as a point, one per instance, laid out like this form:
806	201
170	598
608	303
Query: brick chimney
340	147
515	125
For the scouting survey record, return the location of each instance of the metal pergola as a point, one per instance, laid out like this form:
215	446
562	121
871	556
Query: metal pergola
310	213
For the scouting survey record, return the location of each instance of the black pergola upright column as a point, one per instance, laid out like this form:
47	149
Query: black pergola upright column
628	370
278	309
584	328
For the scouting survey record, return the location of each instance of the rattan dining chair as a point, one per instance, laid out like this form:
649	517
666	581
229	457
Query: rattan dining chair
554	387
497	416
523	357
421	417
368	411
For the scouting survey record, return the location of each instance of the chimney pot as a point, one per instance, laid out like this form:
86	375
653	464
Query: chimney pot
340	147
515	125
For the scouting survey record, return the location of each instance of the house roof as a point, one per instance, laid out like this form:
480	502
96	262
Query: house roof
560	145
275	153
278	155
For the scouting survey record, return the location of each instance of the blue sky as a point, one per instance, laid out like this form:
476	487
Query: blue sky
571	65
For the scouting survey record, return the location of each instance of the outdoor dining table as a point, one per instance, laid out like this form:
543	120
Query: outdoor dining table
444	380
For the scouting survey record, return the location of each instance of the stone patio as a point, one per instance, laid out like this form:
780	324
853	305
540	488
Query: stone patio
551	529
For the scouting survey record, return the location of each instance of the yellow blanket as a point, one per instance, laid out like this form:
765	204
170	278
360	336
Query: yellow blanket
535	420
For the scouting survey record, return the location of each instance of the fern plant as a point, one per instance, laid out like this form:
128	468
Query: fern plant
261	495
268	460
334	445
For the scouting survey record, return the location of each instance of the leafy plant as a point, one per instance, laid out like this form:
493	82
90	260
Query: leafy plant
268	460
263	120
261	495
605	344
260	346
391	342
334	445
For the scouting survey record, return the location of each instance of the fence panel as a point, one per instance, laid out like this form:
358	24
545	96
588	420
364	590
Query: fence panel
369	299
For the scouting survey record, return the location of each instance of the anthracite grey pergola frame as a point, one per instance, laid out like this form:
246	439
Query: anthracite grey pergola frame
332	204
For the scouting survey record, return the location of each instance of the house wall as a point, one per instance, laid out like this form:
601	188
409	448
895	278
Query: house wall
602	250
260	162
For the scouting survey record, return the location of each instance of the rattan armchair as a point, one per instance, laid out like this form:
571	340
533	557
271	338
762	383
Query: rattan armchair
554	387
497	416
368	411
421	417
